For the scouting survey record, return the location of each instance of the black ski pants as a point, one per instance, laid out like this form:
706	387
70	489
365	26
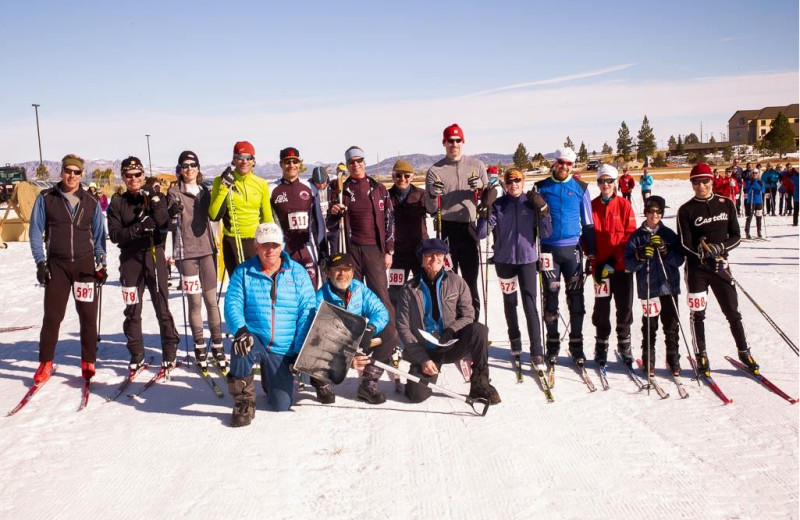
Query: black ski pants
621	285
698	280
749	211
464	252
770	199
230	254
669	320
64	274
567	262
473	340
138	270
526	281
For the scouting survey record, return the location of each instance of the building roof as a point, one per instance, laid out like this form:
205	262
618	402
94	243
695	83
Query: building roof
747	114
791	111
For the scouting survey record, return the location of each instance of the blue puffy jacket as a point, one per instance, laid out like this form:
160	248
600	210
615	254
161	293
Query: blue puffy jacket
672	260
515	220
278	312
571	211
770	178
360	300
646	182
753	191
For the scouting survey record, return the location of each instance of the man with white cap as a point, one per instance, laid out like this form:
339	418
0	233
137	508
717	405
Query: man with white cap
614	222
270	304
571	211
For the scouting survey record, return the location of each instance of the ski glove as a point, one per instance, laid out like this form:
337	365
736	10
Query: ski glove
369	332
227	179
538	202
603	272
100	273
437	188
242	342
714	251
646	252
42	273
488	197
656	242
176	208
146	226
475	182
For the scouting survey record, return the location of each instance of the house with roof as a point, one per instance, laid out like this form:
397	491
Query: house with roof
750	126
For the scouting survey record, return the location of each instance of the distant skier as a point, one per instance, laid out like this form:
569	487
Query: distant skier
68	243
770	178
646	183
753	202
626	184
708	229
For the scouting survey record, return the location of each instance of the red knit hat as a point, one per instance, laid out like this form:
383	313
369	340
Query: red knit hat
243	148
452	131
491	170
701	171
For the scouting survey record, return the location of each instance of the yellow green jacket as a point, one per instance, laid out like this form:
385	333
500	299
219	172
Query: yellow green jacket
250	204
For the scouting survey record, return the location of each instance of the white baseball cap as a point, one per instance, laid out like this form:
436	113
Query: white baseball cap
566	154
269	232
606	170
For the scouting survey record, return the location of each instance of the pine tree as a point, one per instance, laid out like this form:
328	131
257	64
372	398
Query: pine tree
607	150
583	154
672	142
624	141
568	144
521	159
781	137
713	143
679	146
647	141
41	173
691	139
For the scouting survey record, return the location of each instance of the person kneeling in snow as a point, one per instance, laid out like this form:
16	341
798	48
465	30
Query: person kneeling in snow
270	304
440	303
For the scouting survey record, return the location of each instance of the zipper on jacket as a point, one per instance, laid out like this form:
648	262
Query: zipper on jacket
273	295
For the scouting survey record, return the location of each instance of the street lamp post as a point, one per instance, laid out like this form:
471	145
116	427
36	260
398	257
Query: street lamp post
149	159
38	133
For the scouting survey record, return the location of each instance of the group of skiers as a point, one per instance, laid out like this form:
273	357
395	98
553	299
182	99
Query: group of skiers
348	240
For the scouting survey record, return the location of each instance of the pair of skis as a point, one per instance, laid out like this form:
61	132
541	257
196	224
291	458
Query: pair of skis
544	384
757	376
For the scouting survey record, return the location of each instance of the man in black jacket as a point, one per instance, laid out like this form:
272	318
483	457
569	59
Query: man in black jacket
136	219
708	229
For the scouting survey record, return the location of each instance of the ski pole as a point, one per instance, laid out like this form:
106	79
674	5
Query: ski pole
237	237
439	217
647	343
179	236
472	401
480	261
99	310
342	231
758	307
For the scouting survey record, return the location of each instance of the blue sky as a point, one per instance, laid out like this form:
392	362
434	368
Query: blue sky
386	76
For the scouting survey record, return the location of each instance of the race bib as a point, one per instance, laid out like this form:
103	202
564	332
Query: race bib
698	301
651	307
759	213
130	295
448	262
298	221
83	291
603	290
191	284
508	285
396	276
546	261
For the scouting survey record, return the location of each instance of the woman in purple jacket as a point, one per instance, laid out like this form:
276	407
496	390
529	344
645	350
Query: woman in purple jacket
515	254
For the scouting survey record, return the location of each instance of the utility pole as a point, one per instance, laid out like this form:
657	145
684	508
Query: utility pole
38	133
149	159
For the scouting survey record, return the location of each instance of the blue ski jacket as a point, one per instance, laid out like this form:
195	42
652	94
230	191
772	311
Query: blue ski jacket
516	221
646	182
571	211
360	300
672	260
770	178
753	191
277	310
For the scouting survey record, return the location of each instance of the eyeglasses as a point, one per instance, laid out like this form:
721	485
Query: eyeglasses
186	166
515	180
243	157
72	172
291	161
695	182
402	176
605	181
564	163
357	160
454	140
132	175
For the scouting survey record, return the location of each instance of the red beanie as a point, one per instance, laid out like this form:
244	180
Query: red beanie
453	131
491	170
701	171
243	148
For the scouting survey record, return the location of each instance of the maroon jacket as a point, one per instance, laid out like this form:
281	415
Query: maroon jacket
409	216
381	208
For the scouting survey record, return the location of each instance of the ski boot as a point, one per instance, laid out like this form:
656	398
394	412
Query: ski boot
649	360
538	363
702	362
243	413
219	357
325	394
674	363
43	373
480	386
244	400
601	351
87	370
749	362
368	388
576	351
137	360
201	356
624	349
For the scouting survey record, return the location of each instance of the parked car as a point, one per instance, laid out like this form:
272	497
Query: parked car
593	164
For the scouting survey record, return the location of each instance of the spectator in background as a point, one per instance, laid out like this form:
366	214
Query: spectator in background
646	183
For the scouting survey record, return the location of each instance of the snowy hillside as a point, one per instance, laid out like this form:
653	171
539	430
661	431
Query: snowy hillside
619	453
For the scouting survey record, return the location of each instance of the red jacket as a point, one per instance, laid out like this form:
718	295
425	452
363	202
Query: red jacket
614	223
728	187
626	183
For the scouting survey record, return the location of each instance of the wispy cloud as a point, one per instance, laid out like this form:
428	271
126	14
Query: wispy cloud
553	81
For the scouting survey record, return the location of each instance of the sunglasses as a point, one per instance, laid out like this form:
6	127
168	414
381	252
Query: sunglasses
132	175
357	160
515	180
454	140
291	161
243	157
402	176
186	166
695	182
654	211
564	163
72	172
605	181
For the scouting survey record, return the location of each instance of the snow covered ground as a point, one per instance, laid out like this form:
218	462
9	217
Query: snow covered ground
614	454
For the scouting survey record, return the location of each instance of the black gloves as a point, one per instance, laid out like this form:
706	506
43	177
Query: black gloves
147	225
176	208
101	273
447	335
242	342
226	178
714	251
42	273
488	197
603	270
437	188
538	202
475	182
369	332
